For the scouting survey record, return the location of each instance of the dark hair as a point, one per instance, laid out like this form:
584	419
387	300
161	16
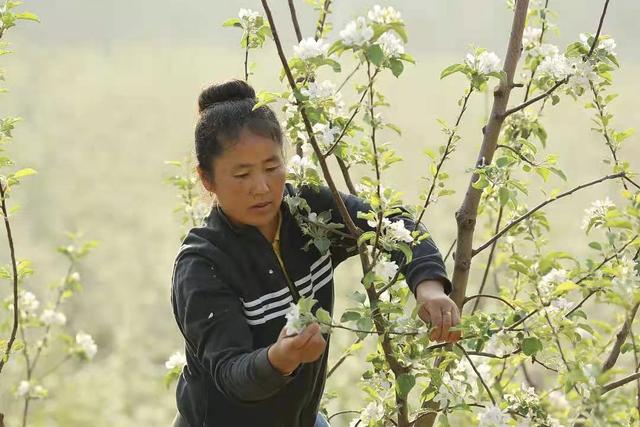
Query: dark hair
225	110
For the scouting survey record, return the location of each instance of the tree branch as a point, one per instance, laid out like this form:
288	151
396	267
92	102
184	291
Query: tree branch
540	206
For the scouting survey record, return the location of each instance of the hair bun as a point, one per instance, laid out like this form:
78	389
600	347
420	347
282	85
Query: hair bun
231	90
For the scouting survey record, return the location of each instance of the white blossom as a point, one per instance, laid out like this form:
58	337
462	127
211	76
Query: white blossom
500	343
322	90
75	276
559	399
176	360
556	66
608	44
310	48
545	49
373	412
86	344
384	15
391	45
626	282
28	302
327	134
397	231
51	317
452	390
492	416
248	17
549	281
23	388
560	304
597	211
298	165
531	37
386	270
294	324
356	33
485	63
583	73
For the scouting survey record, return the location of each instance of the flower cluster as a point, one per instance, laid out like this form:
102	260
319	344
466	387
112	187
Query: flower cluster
607	45
248	18
483	62
626	282
373	412
384	15
493	416
392	231
385	269
85	345
51	317
500	343
360	32
531	37
176	360
391	45
550	281
311	48
594	216
32	391
356	33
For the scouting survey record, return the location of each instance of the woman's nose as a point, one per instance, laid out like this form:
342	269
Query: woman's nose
260	185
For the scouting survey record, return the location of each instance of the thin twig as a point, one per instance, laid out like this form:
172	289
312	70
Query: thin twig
467	299
541	205
14	271
294	18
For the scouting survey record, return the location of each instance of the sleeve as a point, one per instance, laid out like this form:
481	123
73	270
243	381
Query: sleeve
427	262
210	317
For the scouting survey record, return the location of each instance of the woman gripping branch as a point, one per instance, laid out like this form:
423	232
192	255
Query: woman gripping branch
236	276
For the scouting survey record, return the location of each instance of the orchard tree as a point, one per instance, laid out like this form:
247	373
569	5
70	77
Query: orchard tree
540	321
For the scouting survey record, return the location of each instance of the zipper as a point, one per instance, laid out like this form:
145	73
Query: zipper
294	292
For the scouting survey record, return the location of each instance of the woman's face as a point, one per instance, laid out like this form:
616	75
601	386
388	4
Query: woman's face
249	178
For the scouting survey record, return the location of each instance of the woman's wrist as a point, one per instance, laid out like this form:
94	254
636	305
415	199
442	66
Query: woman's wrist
279	362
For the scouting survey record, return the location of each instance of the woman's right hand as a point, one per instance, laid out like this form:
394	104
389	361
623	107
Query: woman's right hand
289	351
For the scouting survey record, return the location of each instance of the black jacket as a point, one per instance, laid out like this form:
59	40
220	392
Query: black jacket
230	297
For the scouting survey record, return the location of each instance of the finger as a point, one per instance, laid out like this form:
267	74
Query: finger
455	335
436	317
314	348
423	314
446	323
303	337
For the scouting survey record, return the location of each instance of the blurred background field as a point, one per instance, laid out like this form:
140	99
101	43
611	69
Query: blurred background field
107	91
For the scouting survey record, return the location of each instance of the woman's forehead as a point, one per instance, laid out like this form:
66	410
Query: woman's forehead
249	150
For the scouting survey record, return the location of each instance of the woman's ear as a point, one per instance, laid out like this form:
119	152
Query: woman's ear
204	178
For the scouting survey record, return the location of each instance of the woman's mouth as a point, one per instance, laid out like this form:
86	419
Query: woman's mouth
260	206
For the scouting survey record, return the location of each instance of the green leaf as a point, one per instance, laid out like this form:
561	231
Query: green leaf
350	316
451	69
404	384
24	172
233	22
375	54
324	316
531	346
396	67
28	16
504	195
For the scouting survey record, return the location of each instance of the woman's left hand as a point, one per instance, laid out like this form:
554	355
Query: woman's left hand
438	309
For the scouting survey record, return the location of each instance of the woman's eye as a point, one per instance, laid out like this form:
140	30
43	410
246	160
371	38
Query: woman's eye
272	169
244	175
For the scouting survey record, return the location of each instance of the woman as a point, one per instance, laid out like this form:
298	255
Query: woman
235	277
